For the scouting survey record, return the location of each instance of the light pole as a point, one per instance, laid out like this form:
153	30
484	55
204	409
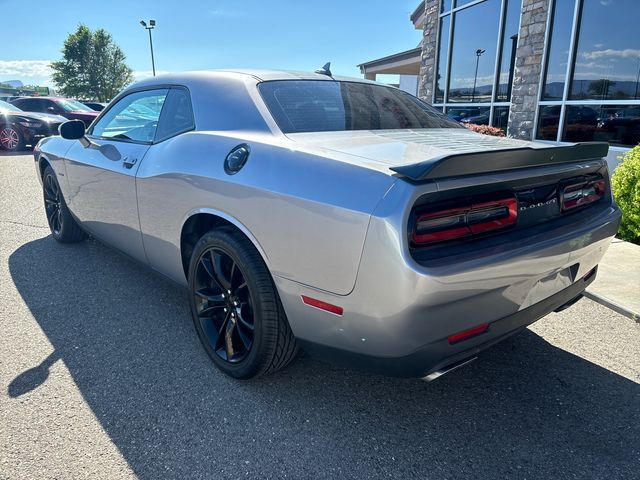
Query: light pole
152	24
475	77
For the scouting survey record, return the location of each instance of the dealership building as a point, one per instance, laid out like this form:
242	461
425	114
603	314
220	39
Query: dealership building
552	70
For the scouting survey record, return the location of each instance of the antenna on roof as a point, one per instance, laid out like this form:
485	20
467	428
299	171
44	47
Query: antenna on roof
325	70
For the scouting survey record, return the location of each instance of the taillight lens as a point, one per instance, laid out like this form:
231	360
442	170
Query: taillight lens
465	220
583	193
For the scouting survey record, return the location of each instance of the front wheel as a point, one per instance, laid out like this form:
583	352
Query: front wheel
63	226
235	307
11	139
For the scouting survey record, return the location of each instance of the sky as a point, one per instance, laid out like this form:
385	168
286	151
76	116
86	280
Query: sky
199	34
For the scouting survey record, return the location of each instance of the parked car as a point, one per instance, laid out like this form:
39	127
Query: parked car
340	215
66	107
19	129
97	106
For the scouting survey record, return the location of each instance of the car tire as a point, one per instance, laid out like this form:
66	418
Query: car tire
235	307
11	138
63	226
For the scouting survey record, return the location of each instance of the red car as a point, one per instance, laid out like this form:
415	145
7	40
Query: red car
66	107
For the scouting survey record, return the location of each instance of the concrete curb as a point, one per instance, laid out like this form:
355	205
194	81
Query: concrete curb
612	305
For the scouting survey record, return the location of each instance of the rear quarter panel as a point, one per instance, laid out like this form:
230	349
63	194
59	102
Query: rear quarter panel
306	214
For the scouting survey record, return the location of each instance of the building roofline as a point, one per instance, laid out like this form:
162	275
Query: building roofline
396	57
417	13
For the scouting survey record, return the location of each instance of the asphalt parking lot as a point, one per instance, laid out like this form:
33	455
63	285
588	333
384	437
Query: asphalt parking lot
102	376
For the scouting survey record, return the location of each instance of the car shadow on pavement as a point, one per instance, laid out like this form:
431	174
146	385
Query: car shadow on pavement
525	409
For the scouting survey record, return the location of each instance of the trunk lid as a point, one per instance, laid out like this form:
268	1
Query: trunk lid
435	153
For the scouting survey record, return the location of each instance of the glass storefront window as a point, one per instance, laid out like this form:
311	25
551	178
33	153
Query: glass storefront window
607	63
460	3
617	124
500	118
558	50
548	121
441	71
508	50
477	115
474	52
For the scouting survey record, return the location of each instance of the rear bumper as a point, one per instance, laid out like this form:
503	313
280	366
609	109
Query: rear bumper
440	354
400	314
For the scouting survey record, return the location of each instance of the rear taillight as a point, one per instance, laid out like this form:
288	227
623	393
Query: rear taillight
583	193
464	221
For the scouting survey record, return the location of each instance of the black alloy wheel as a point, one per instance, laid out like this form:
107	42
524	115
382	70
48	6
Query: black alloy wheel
224	306
52	204
236	308
64	227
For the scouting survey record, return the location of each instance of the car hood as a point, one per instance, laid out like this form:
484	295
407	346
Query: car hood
45	117
84	113
392	148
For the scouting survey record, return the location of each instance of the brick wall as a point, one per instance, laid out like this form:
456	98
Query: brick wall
429	50
526	78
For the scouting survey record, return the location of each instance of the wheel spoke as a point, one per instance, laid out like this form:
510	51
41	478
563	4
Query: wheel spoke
243	320
219	274
210	296
51	216
228	340
245	340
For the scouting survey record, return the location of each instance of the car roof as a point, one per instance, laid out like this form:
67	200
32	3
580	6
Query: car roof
257	74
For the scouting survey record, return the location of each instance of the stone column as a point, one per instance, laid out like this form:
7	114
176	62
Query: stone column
429	50
528	69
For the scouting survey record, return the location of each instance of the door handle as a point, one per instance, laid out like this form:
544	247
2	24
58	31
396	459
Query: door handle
129	162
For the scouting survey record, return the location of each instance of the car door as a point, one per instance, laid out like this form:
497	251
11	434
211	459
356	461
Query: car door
101	171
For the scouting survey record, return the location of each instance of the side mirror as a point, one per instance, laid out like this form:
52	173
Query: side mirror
72	130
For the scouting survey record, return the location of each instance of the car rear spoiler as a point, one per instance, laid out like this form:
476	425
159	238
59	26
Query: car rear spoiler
461	164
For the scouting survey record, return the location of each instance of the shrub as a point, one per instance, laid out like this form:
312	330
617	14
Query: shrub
484	129
626	190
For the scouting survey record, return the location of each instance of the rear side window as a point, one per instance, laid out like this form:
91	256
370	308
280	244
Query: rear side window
29	105
176	116
321	106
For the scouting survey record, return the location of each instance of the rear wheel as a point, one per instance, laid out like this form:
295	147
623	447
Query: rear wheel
235	307
63	226
11	139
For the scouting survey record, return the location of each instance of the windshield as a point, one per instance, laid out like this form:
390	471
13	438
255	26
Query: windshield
321	106
71	105
7	107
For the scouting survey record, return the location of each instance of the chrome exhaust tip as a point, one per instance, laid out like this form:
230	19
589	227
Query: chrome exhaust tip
449	368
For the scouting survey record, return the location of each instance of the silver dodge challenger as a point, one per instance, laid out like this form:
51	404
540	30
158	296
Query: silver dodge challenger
339	215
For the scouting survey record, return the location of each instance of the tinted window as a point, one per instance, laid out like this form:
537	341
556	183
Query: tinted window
441	72
558	50
616	124
548	122
72	105
177	115
134	117
475	34
30	105
607	63
508	50
317	105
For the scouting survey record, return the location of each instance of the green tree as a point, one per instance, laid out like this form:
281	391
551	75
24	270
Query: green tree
92	66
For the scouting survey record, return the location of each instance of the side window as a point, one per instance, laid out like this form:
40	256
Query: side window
134	117
177	115
30	105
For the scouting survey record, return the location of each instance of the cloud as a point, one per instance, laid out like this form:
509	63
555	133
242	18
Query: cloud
606	3
611	53
24	69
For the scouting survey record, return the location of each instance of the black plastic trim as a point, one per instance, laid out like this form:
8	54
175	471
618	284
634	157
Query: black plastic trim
462	164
